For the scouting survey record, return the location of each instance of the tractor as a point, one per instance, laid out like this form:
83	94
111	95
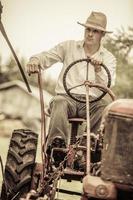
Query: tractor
102	162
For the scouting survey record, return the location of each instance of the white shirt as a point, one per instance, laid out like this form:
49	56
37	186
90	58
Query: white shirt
70	51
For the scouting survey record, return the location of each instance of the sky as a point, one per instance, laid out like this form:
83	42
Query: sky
37	25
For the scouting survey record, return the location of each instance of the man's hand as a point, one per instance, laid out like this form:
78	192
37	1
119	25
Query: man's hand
33	66
97	65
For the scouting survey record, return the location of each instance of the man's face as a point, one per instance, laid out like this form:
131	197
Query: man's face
93	36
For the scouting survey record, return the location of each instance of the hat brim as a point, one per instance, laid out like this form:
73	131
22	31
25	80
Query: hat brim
95	27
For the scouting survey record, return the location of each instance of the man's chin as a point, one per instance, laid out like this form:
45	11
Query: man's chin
89	42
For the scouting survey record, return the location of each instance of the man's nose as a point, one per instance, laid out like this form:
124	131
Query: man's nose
90	32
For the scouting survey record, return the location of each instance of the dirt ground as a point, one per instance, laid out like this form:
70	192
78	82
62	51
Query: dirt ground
71	186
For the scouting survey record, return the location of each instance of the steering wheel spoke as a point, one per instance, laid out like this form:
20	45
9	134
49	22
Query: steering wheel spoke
75	87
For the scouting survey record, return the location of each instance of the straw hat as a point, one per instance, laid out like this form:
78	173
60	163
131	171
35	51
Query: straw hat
96	20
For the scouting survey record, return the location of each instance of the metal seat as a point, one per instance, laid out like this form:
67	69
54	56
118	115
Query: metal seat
75	122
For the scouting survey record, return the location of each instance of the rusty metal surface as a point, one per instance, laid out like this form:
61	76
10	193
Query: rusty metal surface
69	171
95	187
117	159
123	107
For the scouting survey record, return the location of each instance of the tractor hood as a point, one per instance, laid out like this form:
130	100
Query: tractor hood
117	156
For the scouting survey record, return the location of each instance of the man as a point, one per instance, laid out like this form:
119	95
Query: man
62	106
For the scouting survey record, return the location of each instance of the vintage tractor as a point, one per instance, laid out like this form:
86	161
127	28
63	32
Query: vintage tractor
103	162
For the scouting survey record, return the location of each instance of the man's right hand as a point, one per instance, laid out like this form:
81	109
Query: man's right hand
33	65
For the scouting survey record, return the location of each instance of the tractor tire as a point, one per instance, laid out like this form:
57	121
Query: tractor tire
19	165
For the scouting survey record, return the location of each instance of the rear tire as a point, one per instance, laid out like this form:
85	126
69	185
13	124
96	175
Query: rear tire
19	165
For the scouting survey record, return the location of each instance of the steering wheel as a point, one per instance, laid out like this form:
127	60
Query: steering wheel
100	87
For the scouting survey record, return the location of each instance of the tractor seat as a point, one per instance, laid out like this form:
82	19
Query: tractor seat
75	122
